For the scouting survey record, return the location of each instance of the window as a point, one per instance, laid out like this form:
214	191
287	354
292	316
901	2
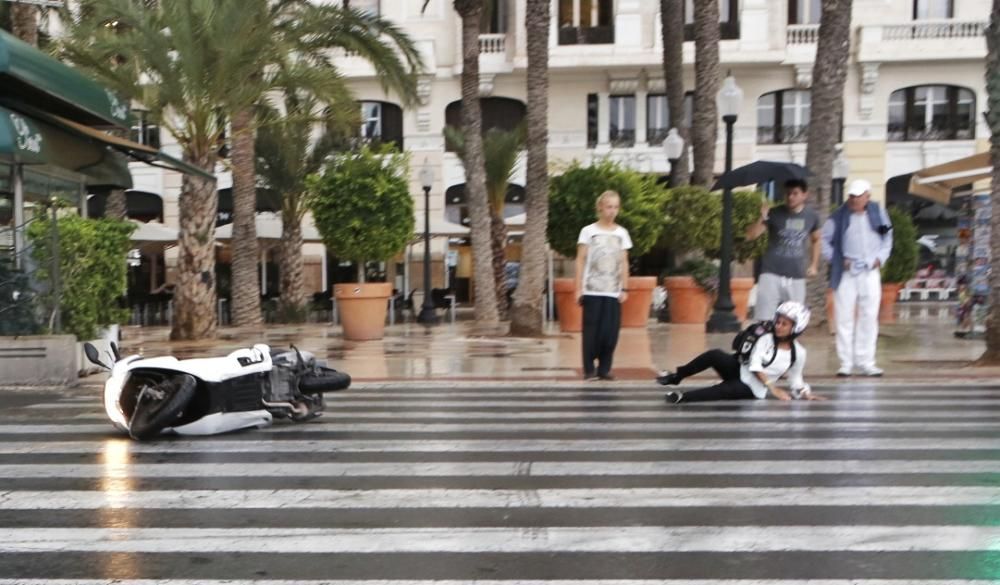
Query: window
494	20
143	130
622	114
729	18
932	112
586	22
783	117
933	9
382	122
592	117
658	116
367	6
497	112
804	11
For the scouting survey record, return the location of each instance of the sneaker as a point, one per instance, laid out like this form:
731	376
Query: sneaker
606	377
872	372
844	373
668	378
673	397
590	378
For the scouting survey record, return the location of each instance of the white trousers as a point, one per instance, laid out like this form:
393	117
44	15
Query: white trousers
856	304
772	290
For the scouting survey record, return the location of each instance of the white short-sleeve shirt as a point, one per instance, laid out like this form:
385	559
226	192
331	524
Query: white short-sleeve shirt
603	267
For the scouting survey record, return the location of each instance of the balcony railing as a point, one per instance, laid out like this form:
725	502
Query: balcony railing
802	34
581	35
934	30
491	44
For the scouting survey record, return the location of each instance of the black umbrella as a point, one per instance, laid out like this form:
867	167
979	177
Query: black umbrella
761	171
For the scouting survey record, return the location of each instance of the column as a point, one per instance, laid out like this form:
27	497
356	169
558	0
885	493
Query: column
640	117
18	214
603	119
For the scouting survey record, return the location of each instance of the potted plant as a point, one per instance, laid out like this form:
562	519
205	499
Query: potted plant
691	289
902	263
693	224
572	197
364	211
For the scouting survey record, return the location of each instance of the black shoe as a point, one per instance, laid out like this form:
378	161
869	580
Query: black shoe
673	397
607	377
590	378
668	378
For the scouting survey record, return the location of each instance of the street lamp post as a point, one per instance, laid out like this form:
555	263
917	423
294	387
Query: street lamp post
723	319
427	315
673	144
841	170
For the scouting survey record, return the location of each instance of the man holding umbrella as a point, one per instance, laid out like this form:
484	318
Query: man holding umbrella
783	267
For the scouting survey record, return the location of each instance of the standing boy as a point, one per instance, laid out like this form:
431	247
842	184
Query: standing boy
783	267
601	276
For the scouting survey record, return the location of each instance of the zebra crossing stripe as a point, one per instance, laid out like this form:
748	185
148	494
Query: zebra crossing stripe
623	539
492	582
119	497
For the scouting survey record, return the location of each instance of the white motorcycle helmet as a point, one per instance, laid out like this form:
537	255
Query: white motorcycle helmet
797	313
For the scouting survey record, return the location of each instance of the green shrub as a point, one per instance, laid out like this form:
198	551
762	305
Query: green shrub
572	198
92	269
902	264
693	222
704	272
362	205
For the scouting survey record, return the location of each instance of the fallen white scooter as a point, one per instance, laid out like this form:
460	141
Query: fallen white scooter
248	388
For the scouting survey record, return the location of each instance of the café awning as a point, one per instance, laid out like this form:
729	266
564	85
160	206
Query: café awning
938	182
32	77
35	137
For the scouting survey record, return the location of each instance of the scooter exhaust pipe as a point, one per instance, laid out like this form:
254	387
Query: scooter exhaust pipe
296	408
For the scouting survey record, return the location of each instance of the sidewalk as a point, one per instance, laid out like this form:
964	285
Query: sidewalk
920	347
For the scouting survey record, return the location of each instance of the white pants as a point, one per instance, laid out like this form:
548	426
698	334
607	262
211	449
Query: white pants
772	290
856	302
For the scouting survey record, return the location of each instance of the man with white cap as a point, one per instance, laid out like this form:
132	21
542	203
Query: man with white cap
857	241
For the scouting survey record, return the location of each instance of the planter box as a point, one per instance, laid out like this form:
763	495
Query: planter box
39	360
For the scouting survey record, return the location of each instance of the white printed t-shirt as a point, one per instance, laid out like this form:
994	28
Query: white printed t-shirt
602	270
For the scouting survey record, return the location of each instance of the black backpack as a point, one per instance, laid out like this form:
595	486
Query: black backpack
745	341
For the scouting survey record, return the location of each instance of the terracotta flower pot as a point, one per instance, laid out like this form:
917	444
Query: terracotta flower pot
886	310
570	311
740	288
363	309
689	303
636	309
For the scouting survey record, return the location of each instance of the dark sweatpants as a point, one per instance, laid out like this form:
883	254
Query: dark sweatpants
727	366
602	318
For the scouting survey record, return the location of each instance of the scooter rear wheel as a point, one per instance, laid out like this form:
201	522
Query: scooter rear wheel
325	380
152	415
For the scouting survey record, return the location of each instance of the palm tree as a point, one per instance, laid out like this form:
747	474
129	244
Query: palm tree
827	94
24	22
297	54
992	354
526	316
475	174
500	151
705	122
179	60
287	153
672	29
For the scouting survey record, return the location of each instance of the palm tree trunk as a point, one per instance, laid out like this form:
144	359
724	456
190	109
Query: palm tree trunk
195	293
992	354
24	22
705	123
526	317
246	251
293	296
475	179
115	207
498	238
672	28
829	77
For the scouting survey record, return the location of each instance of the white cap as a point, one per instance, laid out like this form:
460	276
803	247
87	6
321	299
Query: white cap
859	187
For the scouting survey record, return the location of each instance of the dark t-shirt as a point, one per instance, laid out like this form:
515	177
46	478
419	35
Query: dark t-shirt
788	237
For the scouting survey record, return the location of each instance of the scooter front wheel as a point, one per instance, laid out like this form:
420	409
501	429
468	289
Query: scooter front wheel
160	405
324	380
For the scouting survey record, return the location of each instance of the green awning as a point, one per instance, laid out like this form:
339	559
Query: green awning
32	77
28	140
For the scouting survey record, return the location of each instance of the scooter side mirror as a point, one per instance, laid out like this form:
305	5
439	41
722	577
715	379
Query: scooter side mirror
115	351
91	352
